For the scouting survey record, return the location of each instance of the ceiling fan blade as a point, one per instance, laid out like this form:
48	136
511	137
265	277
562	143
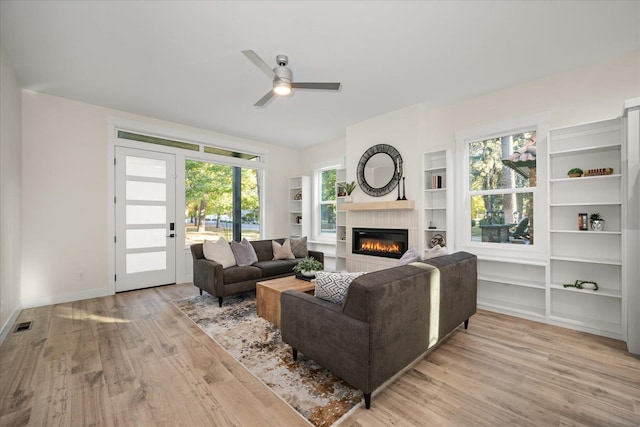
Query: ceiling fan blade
317	86
253	57
265	99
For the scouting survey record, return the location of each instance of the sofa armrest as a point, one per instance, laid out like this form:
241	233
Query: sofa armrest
208	276
319	256
320	330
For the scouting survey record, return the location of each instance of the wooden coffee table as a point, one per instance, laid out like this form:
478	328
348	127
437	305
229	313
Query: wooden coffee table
268	295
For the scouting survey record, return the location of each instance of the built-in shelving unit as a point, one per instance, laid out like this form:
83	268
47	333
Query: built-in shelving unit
299	206
437	217
587	255
513	286
341	223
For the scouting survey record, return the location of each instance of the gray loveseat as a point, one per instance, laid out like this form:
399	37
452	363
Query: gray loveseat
388	319
211	277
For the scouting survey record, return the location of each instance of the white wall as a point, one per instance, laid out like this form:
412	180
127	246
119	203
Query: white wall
401	129
64	170
10	194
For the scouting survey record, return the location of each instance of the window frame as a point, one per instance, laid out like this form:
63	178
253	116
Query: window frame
317	233
537	123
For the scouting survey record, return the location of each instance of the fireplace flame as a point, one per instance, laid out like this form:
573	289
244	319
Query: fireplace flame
377	246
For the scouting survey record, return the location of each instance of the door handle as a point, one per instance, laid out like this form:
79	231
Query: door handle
172	235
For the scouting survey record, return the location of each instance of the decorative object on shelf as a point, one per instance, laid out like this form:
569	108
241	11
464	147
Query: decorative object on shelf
379	170
431	226
582	221
298	196
597	222
308	267
404	194
436	182
437	240
298	219
582	284
575	173
598	172
347	188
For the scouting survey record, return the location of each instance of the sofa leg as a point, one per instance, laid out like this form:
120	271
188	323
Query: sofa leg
367	400
200	291
295	353
466	324
220	301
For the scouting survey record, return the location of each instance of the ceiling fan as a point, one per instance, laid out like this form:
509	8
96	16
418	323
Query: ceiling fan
282	78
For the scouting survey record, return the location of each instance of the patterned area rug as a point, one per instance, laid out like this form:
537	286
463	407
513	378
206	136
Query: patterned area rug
307	387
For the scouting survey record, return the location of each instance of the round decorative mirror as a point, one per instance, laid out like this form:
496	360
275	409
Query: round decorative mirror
379	170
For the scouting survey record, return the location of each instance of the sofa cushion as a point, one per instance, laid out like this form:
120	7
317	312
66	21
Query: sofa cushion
299	247
435	251
264	249
219	252
244	253
282	251
275	268
238	274
410	255
333	286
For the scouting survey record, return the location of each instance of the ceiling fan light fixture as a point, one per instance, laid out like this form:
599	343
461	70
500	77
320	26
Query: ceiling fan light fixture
282	88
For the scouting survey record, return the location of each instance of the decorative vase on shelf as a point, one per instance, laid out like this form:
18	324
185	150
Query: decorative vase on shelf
348	199
597	225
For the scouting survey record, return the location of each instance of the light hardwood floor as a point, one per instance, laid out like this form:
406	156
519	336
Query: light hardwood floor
134	359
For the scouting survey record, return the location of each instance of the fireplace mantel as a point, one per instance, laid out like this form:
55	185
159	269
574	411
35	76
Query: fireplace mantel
380	206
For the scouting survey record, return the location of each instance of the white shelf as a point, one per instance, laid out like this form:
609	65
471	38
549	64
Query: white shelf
299	186
613	176
512	282
586	150
586	232
437	203
586	260
600	292
586	254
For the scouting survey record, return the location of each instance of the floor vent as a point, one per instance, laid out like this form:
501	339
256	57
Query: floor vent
24	326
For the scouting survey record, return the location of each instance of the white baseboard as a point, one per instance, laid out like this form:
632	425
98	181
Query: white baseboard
68	297
6	328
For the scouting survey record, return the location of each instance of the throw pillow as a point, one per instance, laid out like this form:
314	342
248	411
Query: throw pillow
219	252
299	247
333	287
435	251
411	255
282	251
244	252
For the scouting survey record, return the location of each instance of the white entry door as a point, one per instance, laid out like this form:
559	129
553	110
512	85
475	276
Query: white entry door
145	219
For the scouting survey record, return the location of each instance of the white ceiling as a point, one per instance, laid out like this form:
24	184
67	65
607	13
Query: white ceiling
180	61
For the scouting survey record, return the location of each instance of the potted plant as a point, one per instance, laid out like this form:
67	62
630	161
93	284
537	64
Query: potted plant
308	266
597	222
348	187
575	172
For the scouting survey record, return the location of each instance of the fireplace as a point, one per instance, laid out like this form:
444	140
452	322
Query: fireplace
382	242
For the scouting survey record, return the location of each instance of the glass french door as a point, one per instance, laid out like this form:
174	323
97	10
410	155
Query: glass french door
145	219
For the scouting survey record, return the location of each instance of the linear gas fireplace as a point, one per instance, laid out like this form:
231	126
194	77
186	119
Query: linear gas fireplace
382	242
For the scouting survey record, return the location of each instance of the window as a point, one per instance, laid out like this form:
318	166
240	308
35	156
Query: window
501	188
221	200
325	184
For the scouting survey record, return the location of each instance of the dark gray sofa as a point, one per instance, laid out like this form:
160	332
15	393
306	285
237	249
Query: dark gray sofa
388	319
211	277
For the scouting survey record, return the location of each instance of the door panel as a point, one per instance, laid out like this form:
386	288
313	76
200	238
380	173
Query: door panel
145	210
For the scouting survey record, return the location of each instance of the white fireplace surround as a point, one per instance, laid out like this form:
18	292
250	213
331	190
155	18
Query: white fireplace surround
407	219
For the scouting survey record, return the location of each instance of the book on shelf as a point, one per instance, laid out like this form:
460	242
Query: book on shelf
436	181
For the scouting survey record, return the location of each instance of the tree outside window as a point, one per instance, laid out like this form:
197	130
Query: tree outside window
502	176
327	201
209	194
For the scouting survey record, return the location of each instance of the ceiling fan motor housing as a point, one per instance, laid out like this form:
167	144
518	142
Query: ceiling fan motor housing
282	74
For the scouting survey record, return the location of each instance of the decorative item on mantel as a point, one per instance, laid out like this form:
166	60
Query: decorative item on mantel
597	222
